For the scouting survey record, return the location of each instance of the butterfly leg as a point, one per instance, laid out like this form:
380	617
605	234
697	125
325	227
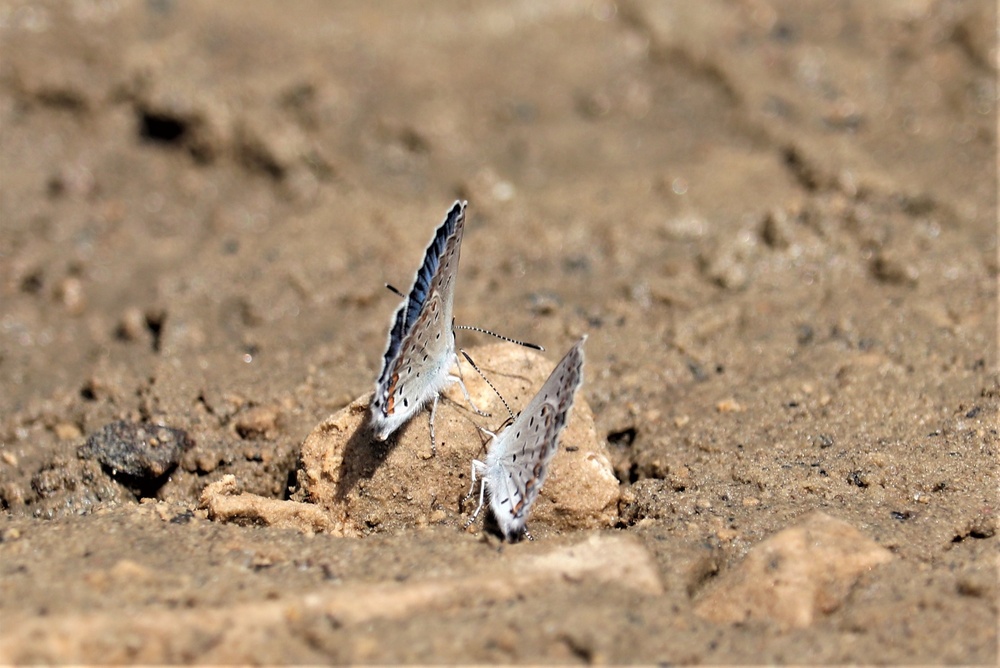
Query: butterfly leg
434	405
482	493
475	466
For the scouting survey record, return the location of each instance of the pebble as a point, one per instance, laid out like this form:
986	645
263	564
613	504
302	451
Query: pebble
141	451
729	405
71	295
795	576
890	267
132	325
67	431
225	501
369	486
776	229
259	422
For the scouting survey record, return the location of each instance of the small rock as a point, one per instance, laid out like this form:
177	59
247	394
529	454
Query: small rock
728	264
272	146
889	267
67	431
544	303
226	502
11	494
132	325
775	229
729	405
794	576
371	486
141	451
9	535
70	293
258	422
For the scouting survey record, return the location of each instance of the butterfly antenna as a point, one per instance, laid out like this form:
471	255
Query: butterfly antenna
533	346
394	291
492	386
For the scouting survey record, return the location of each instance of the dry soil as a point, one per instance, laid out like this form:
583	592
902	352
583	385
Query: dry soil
776	220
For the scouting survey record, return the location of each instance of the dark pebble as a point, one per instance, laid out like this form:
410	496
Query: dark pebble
141	451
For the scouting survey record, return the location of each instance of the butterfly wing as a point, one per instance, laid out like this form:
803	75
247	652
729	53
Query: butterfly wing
419	371
421	343
518	461
437	273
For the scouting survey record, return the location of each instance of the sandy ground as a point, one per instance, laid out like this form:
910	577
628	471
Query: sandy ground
775	220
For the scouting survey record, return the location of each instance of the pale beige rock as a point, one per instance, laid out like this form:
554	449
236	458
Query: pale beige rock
611	561
369	486
225	502
795	575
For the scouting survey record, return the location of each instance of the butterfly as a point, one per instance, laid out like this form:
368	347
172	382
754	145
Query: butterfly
421	344
519	456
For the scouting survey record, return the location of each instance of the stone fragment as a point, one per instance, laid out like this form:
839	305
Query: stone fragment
225	502
370	486
67	431
132	325
794	576
142	452
259	422
70	293
889	267
237	626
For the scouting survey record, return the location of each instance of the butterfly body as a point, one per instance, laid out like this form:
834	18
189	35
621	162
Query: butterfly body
518	459
421	346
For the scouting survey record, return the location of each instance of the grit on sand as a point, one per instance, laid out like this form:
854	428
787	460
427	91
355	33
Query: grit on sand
775	221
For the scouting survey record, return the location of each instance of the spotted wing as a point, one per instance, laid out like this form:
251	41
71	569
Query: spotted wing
519	460
420	369
420	346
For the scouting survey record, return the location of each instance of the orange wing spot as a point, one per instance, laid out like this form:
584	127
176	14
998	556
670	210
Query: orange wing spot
390	405
517	507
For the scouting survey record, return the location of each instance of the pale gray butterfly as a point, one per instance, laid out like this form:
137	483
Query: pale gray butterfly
421	344
519	456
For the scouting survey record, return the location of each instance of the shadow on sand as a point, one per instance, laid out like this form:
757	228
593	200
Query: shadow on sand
362	457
